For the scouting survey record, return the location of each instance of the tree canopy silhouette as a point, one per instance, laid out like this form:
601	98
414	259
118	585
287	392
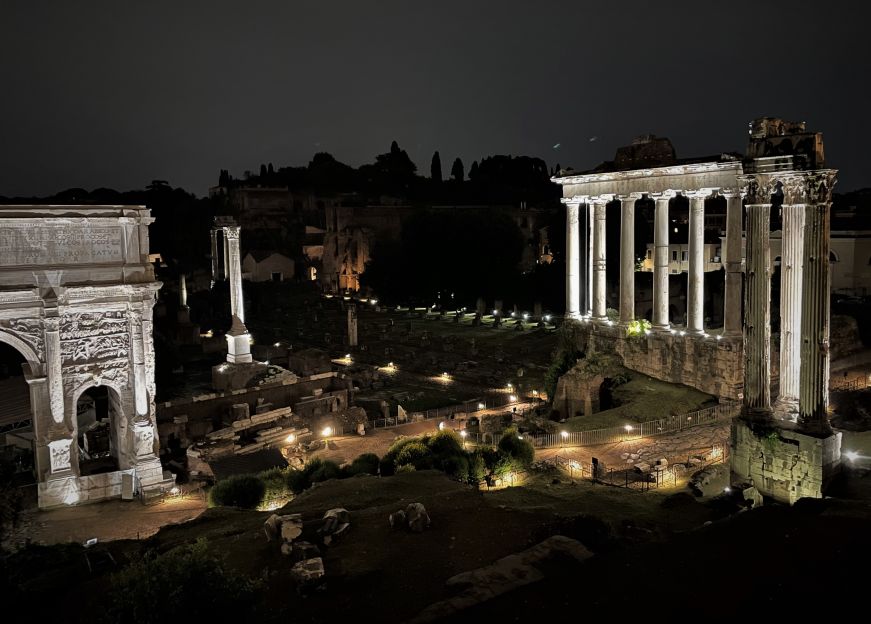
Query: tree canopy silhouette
435	168
457	171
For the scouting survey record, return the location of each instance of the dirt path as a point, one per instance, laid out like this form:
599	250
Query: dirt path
109	520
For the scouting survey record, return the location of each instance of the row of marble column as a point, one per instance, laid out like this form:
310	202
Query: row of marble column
585	232
804	310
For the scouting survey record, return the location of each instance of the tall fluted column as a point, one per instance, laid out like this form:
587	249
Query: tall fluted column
573	252
732	320
790	304
814	376
215	258
588	269
660	262
627	259
696	275
757	305
237	303
599	257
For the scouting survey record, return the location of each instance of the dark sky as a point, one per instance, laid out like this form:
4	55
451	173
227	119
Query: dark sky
119	93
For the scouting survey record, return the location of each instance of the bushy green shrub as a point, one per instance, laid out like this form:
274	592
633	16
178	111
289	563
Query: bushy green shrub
446	443
517	447
456	466
245	491
476	467
405	468
506	465
416	454
367	463
187	579
275	481
388	462
314	471
491	457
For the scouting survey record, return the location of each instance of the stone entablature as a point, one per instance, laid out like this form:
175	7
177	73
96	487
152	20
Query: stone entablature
706	175
40	245
81	325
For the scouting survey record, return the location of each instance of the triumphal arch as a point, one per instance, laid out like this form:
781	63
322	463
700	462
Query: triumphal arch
76	297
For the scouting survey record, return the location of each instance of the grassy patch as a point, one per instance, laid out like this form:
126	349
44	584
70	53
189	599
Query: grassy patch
641	399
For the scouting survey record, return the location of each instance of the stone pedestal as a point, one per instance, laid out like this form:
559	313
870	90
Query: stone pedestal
783	463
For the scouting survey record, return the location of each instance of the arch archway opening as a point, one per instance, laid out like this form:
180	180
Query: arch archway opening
97	414
16	415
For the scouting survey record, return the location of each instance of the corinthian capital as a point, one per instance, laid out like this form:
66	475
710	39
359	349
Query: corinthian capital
756	188
231	232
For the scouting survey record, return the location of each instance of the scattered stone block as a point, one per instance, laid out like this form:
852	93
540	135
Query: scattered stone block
418	519
308	570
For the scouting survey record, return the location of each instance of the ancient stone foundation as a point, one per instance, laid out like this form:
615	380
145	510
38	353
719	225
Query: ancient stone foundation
782	463
704	363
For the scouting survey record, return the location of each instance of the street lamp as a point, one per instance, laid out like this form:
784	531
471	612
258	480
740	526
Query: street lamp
463	435
326	433
565	436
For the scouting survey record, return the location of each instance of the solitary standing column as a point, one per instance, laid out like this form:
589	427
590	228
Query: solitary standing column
757	304
814	386
215	259
627	259
732	321
573	251
696	275
237	304
660	261
599	265
791	303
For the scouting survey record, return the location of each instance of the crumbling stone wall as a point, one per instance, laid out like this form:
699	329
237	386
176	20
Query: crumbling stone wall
706	364
784	464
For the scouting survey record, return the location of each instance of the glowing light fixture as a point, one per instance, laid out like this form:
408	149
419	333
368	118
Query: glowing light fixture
291	438
852	455
327	432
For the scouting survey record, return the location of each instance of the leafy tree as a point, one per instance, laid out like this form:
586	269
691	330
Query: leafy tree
457	171
435	168
262	171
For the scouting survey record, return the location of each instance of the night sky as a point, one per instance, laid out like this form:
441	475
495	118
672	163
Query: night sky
119	93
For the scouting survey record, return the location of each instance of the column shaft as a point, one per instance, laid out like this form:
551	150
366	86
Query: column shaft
215	259
588	272
660	263
814	375
627	260
696	275
790	303
573	251
237	303
599	264
53	360
757	304
732	321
